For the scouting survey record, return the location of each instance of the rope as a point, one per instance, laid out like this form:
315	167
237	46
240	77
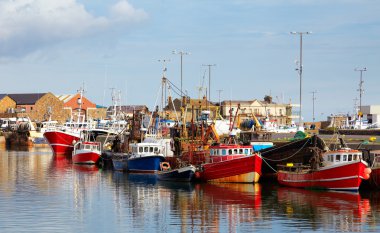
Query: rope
274	160
269	165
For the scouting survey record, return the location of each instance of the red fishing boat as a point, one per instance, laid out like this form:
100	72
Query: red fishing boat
61	142
86	152
231	163
341	169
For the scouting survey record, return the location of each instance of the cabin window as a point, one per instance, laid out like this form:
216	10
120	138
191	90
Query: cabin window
377	159
235	151
216	152
224	152
134	150
230	152
337	158
350	157
246	151
345	158
240	151
151	149
156	149
141	149
355	157
211	152
146	149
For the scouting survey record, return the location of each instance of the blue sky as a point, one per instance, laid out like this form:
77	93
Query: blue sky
55	45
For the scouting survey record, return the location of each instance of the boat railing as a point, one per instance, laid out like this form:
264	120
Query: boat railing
294	167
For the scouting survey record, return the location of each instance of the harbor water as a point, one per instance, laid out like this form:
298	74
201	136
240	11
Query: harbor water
40	192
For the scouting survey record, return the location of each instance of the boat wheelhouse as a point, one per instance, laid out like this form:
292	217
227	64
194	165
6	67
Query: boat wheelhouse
145	157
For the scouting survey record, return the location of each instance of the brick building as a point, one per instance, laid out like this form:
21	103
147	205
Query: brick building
39	106
75	105
7	105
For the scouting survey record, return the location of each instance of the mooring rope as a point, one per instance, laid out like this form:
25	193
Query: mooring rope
278	160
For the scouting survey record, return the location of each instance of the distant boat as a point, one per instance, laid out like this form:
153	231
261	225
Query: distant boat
145	157
341	169
184	174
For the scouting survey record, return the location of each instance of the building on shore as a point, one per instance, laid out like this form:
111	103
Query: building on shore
276	112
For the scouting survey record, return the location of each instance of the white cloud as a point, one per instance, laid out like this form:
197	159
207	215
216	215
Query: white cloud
26	25
123	11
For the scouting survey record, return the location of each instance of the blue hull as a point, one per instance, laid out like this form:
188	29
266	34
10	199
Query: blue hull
177	175
148	164
120	165
120	161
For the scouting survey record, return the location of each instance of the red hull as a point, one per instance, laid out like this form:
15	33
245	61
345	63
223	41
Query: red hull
245	169
61	142
343	177
86	158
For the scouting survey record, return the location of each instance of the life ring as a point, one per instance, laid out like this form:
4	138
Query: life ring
165	166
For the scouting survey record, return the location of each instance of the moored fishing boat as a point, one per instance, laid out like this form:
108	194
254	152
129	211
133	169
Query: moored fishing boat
86	152
184	174
145	157
61	142
231	163
341	169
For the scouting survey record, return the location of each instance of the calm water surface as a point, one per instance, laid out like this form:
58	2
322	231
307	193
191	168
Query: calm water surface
40	192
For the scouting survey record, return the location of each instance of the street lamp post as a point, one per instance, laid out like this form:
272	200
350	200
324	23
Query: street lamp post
181	53
299	69
209	79
361	90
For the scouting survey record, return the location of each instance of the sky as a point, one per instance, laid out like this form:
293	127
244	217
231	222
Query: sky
59	45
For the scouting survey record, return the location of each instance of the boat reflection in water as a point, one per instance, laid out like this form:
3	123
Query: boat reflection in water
324	210
228	205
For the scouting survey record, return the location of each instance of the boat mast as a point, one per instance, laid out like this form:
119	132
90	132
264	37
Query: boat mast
80	102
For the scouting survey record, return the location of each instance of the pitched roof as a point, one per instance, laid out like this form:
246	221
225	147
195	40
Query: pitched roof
28	98
65	98
2	96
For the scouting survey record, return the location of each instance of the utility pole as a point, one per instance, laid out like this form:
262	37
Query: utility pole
209	79
219	91
181	53
299	69
361	90
314	98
